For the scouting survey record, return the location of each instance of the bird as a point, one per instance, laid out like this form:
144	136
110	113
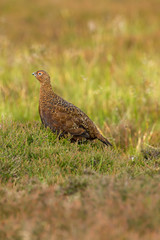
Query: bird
62	117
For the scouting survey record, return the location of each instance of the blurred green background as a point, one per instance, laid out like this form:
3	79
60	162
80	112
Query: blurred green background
104	58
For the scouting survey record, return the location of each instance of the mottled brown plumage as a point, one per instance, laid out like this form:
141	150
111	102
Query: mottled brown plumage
63	117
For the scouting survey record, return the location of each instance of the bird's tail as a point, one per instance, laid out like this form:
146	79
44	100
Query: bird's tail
104	140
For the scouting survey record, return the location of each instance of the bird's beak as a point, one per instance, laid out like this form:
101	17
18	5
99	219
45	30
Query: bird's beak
34	74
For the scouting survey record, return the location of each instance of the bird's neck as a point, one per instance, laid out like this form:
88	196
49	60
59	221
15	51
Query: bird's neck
46	90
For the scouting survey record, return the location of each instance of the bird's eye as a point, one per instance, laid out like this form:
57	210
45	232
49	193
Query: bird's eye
39	73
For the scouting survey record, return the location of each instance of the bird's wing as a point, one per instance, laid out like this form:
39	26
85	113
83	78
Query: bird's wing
70	119
63	119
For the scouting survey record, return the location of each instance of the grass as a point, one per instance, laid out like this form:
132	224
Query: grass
105	59
30	150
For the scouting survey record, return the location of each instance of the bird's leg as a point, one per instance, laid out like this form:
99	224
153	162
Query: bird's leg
60	134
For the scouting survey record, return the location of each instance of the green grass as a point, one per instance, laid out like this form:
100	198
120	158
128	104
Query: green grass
30	150
104	59
85	188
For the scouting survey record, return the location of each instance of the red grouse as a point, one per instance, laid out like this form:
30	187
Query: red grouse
63	117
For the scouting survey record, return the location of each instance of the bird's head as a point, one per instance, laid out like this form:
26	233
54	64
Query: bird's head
42	76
